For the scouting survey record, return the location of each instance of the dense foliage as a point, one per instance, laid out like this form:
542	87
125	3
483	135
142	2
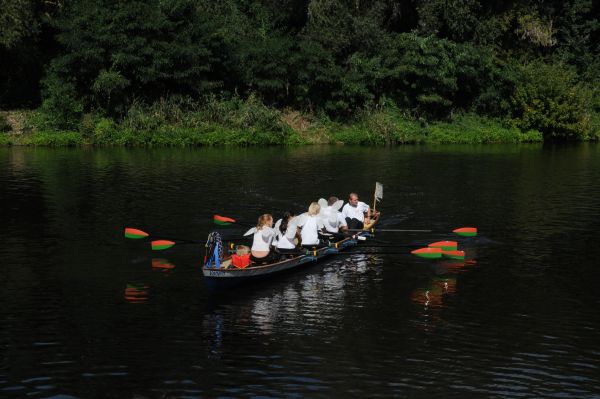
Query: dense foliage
534	65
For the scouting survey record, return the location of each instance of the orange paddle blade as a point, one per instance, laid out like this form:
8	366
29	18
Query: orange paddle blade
444	245
466	231
130	232
159	245
429	253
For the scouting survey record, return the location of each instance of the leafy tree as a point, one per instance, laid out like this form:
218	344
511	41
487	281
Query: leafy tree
339	62
62	108
451	19
548	98
25	47
579	37
141	49
256	48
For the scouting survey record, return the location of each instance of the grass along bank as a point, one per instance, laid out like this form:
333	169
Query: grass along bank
248	122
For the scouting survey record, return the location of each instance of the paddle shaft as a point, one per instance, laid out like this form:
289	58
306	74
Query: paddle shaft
393	230
179	240
373	253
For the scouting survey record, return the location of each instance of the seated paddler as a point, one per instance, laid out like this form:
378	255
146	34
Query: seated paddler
334	222
263	235
355	211
311	225
287	235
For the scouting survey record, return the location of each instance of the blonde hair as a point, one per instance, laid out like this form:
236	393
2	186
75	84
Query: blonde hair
263	220
314	209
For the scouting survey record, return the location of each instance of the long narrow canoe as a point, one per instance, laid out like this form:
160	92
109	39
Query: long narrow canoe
226	276
217	278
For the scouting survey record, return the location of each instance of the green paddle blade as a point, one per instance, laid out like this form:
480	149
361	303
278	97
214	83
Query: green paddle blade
222	220
428	253
466	231
159	245
135	233
459	255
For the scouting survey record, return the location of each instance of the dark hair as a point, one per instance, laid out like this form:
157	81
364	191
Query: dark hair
284	221
332	200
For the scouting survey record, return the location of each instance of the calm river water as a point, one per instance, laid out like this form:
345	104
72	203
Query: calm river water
86	313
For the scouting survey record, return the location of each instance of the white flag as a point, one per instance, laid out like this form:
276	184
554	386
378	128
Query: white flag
378	191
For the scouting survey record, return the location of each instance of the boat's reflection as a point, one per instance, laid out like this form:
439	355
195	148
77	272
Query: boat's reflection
317	300
302	303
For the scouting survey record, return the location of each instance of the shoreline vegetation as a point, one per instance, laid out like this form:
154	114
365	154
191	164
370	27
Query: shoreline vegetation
249	122
158	128
262	72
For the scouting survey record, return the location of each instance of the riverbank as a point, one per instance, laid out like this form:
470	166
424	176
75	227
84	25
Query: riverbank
295	129
248	123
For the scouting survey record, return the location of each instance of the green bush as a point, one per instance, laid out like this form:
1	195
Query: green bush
109	91
61	109
54	139
390	126
473	129
5	140
594	126
181	120
4	125
381	126
549	99
105	132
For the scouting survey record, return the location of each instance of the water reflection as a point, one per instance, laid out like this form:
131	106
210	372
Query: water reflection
163	265
360	264
433	296
136	292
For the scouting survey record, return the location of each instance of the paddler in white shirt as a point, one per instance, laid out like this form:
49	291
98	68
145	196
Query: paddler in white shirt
262	239
354	212
333	220
287	231
311	224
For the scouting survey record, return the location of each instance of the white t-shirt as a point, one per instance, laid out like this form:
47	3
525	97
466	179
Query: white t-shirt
339	221
310	229
263	238
355	212
286	241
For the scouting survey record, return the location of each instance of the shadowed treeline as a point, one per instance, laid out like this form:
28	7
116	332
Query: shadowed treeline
272	71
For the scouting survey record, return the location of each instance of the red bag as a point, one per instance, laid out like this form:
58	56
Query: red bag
240	261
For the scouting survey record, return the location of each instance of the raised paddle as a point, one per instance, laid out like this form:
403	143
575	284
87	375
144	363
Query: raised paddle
373	229
135	234
159	245
225	221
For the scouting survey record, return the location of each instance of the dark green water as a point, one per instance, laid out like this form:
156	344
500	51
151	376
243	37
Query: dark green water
85	314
